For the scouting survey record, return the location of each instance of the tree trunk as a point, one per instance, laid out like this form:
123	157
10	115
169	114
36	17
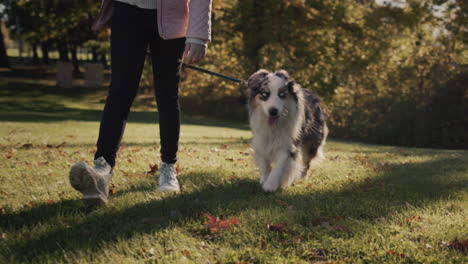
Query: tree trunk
104	60
35	55
63	51
95	55
76	66
45	52
3	56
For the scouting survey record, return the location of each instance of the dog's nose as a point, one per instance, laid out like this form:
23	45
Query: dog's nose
273	111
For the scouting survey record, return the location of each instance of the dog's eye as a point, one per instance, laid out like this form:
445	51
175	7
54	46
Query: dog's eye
265	95
281	94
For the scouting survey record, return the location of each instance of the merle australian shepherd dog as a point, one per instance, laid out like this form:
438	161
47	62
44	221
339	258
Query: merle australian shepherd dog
288	125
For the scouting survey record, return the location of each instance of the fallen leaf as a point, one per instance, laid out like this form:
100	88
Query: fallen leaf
229	159
224	146
413	218
282	203
26	146
185	252
233	178
393	253
428	246
11	153
340	228
203	245
112	189
461	245
50	202
4	236
278	227
215	224
153	169
152	220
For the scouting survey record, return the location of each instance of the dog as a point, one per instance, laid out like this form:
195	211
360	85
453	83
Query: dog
288	125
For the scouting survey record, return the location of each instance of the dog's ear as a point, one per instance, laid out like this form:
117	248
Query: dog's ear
293	87
254	81
282	74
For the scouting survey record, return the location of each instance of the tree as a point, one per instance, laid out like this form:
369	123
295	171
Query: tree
3	55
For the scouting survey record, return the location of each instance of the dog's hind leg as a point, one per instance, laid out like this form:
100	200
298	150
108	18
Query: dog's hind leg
312	153
264	167
284	173
307	156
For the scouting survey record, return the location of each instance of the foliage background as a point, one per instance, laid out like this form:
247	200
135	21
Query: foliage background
390	73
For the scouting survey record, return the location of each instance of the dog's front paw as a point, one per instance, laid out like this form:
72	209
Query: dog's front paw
270	186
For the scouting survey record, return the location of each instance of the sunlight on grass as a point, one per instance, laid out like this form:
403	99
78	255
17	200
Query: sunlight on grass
363	202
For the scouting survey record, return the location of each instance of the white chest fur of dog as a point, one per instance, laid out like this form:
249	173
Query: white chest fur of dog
277	117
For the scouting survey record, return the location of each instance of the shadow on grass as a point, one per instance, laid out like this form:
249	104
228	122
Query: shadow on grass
418	184
41	103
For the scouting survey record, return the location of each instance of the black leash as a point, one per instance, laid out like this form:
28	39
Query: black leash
210	72
213	73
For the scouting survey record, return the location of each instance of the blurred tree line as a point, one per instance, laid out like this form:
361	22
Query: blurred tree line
392	73
58	25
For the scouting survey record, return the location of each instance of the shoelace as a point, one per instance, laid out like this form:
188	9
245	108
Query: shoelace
166	174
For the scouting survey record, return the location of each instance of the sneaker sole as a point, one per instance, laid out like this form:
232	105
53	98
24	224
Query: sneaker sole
83	180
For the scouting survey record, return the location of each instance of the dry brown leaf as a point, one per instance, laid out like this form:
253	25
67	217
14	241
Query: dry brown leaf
340	228
50	202
282	203
26	146
394	253
11	153
215	224
281	227
153	169
414	218
461	245
185	252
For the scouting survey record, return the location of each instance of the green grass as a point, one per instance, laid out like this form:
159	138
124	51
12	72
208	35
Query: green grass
364	204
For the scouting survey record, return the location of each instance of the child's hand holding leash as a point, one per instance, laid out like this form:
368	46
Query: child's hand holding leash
194	52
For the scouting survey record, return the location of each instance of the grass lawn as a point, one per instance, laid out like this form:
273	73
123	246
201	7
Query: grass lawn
364	204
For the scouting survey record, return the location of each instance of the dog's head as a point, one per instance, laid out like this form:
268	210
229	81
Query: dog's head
273	92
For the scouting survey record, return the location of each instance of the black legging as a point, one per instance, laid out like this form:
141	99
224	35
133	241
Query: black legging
133	29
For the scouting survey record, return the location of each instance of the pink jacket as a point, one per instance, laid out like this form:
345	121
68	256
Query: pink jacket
176	18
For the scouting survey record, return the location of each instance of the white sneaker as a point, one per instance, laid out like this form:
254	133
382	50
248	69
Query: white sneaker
93	183
168	178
